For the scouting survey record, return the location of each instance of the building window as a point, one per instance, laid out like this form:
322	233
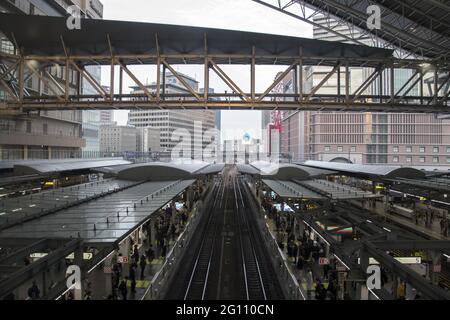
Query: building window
408	159
436	149
396	149
448	149
409	149
28	126
353	149
435	159
395	159
327	148
422	149
340	148
422	159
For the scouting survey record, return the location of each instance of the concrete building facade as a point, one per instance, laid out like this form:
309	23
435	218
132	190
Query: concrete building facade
50	134
114	138
366	138
171	122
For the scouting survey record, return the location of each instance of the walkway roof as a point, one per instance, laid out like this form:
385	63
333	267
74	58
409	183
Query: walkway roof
367	171
41	36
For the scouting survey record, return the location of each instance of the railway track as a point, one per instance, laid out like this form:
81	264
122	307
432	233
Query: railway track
229	260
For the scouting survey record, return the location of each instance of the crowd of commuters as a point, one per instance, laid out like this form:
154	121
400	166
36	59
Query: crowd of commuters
304	254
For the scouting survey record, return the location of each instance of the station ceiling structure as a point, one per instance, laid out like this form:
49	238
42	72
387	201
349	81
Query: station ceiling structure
413	28
42	42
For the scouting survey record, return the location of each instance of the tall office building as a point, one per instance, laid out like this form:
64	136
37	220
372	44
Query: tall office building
50	134
106	116
167	121
114	138
368	138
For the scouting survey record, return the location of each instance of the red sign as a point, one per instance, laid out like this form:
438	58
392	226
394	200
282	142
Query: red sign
323	261
437	268
107	269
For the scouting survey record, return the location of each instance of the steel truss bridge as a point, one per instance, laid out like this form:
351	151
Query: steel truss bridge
119	45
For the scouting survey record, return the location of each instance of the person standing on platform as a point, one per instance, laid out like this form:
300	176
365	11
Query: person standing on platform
34	292
135	256
123	288
309	282
143	264
133	277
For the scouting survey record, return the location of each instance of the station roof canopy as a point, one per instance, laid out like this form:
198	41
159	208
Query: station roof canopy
54	166
107	220
368	171
159	171
282	171
44	36
289	189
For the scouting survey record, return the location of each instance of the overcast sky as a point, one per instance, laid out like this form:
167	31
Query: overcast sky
244	15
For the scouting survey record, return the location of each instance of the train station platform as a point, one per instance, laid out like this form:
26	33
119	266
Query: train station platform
379	208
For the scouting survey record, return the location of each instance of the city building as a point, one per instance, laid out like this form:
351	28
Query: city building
106	116
365	138
148	140
50	134
114	138
193	123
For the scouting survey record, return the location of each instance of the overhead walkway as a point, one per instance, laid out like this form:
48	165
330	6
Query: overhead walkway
123	44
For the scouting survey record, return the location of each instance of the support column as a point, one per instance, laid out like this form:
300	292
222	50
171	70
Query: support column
190	198
252	75
25	152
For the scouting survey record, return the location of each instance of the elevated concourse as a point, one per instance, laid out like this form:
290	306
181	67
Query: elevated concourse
123	44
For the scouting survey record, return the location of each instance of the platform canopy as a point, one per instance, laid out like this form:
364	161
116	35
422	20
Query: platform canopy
56	166
109	219
368	171
160	171
49	36
282	171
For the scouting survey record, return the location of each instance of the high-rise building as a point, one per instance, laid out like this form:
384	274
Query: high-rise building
106	116
172	123
50	134
148	140
114	138
363	137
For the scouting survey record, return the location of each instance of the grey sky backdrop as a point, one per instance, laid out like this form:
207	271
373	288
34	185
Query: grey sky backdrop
244	15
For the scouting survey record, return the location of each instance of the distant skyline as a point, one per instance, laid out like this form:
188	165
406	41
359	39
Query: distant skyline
243	15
